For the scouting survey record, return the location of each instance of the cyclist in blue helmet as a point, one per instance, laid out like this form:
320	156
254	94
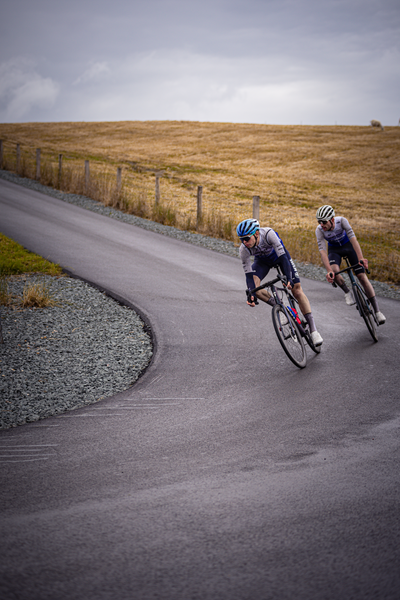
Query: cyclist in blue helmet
261	249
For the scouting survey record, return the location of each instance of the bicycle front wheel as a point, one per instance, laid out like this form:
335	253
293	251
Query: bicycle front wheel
365	312
289	336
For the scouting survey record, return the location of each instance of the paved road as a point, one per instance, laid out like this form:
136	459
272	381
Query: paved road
225	472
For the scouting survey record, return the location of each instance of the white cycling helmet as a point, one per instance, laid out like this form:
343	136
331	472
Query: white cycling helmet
325	213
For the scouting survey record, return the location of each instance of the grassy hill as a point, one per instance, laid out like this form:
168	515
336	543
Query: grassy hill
293	169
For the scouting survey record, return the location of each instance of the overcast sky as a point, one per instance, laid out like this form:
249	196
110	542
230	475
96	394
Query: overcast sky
252	61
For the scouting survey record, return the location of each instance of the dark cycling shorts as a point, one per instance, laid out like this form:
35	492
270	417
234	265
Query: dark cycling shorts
262	266
335	255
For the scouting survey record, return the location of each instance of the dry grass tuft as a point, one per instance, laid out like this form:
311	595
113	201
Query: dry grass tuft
34	295
294	169
37	295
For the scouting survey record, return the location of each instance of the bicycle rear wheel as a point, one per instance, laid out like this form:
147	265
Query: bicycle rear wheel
365	312
289	336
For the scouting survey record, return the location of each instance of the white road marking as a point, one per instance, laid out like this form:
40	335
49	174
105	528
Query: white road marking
28	453
82	416
91	410
137	406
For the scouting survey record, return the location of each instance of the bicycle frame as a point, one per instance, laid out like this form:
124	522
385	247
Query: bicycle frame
291	300
274	292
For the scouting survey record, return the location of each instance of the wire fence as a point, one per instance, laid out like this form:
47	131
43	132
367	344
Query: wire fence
163	197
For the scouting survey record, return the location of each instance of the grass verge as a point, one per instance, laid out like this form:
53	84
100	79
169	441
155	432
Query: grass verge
15	260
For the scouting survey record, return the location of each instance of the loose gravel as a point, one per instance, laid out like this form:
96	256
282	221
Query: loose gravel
58	358
88	347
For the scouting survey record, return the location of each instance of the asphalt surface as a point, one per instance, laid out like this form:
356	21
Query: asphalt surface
225	472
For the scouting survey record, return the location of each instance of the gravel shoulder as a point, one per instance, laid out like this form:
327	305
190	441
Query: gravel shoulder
89	346
59	358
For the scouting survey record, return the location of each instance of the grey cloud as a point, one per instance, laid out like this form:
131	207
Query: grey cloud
22	89
97	71
303	59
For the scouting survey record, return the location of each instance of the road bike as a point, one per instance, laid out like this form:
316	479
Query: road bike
363	303
289	323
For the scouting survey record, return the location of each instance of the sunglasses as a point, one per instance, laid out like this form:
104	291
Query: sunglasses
246	239
321	222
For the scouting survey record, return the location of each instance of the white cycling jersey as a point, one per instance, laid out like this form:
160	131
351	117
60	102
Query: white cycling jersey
270	246
338	236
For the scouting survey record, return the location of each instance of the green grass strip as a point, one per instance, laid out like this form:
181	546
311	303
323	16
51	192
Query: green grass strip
16	260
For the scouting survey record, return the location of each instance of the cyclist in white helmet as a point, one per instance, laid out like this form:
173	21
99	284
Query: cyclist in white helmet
261	249
336	239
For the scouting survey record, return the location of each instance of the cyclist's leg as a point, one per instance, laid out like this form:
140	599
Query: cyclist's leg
304	303
263	295
338	278
301	298
261	270
369	290
305	308
297	289
335	258
359	271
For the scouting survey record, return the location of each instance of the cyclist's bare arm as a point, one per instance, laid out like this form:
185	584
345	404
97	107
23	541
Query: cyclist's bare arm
358	251
369	290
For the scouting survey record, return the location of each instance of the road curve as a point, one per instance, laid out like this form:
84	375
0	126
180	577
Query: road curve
225	472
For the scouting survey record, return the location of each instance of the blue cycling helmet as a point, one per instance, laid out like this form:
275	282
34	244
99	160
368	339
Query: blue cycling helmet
247	227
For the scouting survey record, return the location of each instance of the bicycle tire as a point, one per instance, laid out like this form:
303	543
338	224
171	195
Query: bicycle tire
365	312
290	339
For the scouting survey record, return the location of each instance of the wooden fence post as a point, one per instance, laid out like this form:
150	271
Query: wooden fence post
60	156
157	198
199	206
1	154
38	164
256	207
87	175
119	180
18	165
